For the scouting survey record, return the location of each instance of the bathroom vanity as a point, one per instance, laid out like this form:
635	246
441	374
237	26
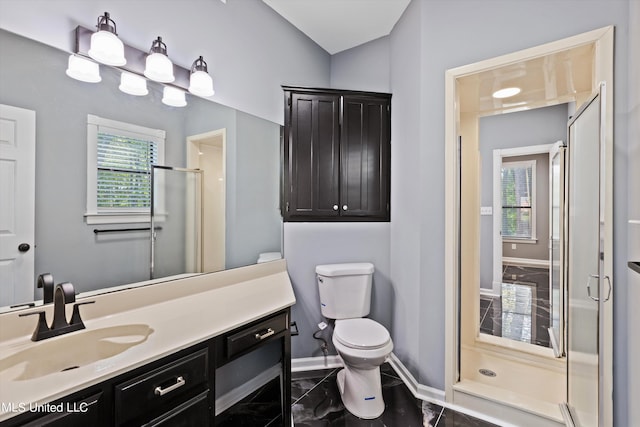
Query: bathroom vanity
152	358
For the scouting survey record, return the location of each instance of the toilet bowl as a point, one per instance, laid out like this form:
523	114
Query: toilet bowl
363	345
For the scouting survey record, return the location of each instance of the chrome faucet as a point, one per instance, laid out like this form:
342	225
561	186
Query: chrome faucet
64	294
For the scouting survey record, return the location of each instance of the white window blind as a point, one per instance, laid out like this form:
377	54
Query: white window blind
518	199
119	162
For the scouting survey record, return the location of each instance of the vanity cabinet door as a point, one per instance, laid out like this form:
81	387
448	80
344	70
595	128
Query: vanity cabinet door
89	411
194	412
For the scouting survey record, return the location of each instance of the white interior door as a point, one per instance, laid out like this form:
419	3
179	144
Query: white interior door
17	204
587	289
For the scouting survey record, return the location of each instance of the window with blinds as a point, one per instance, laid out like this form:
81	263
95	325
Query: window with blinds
518	199
119	160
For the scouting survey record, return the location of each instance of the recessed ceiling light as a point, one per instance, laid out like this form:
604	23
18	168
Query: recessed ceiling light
506	92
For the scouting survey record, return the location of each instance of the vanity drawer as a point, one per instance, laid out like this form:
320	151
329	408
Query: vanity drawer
254	335
162	387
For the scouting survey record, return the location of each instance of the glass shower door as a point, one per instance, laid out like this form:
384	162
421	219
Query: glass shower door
585	290
556	247
176	221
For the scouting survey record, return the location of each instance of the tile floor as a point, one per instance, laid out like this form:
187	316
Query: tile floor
523	313
316	402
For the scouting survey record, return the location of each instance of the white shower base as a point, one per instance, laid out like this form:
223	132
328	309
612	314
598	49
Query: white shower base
526	389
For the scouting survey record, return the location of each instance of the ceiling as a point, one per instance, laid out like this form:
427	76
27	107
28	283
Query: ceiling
558	77
338	25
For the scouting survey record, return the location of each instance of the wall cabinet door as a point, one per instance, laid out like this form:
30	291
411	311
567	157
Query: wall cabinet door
336	156
364	154
312	153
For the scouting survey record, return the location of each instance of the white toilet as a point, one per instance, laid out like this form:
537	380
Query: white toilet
363	344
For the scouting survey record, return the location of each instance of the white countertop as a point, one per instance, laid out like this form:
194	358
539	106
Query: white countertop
210	305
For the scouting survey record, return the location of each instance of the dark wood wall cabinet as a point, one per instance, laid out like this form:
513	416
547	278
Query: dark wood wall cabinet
177	390
336	155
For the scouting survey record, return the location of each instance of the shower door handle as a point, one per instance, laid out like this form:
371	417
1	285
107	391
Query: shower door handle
591	276
595	276
608	279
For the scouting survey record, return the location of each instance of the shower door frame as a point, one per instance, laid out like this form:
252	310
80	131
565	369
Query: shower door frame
198	213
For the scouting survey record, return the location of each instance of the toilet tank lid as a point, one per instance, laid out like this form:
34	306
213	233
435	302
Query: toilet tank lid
347	269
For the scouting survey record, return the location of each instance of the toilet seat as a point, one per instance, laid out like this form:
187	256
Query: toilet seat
361	333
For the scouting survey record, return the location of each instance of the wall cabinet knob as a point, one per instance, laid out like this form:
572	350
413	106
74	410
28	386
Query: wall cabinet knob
335	207
344	207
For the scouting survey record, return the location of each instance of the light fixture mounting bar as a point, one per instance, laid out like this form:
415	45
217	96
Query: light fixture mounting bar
135	58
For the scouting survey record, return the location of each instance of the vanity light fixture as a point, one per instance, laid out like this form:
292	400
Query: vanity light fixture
158	65
200	82
173	97
106	47
83	69
506	92
133	84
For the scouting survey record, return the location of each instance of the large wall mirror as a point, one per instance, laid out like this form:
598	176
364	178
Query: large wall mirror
244	149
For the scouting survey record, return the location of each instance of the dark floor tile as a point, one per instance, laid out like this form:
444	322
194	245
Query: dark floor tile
260	408
451	418
322	406
304	381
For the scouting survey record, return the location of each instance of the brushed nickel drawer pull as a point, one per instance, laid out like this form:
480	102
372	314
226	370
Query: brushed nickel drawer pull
159	391
266	334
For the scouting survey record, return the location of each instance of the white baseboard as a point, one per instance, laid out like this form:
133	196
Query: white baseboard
234	396
418	390
315	363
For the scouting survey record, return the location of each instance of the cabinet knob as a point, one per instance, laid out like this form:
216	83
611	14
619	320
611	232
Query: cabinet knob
344	207
335	207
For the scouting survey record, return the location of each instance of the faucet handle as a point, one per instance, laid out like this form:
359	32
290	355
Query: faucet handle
75	317
41	327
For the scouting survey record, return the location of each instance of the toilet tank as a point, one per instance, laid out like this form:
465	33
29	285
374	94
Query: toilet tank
345	289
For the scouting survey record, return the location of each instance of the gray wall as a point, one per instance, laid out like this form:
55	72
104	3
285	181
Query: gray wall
365	67
309	244
540	126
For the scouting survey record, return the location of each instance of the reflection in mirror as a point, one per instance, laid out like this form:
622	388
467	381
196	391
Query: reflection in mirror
65	244
516	287
176	221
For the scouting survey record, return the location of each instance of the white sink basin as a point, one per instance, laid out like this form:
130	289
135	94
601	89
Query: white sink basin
68	352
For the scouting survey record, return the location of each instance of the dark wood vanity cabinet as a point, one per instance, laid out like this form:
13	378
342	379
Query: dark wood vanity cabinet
336	155
176	390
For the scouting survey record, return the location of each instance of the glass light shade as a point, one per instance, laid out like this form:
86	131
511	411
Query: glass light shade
173	97
201	84
107	48
83	69
159	68
133	84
